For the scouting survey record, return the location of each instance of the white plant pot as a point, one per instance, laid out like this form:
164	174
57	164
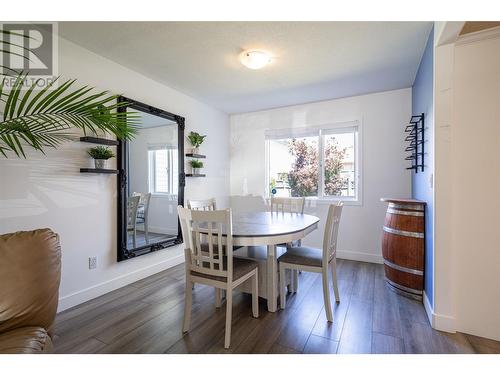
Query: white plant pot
100	163
195	150
196	170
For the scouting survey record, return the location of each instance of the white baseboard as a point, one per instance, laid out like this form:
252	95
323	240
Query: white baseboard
361	257
428	309
440	322
444	323
97	290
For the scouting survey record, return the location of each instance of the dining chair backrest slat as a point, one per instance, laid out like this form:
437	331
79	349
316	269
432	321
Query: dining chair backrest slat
331	231
132	206
285	204
145	198
202	204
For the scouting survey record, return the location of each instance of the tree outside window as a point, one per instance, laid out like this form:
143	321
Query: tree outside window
296	168
303	175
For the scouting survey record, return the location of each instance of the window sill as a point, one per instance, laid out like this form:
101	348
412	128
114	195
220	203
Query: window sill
162	195
311	201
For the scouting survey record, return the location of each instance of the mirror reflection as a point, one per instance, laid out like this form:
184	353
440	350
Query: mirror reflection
153	180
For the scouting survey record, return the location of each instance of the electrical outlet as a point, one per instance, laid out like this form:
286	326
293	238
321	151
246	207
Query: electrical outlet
92	263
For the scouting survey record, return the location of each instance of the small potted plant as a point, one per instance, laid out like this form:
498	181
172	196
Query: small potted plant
196	140
100	154
196	165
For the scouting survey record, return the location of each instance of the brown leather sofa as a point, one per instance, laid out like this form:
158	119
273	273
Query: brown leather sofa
30	272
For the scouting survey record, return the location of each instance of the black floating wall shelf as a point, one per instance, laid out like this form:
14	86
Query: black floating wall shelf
196	156
95	170
101	141
416	139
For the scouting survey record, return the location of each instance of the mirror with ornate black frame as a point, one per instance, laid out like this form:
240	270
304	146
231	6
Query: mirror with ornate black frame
151	181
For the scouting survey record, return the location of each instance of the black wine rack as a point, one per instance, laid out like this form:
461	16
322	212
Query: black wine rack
416	142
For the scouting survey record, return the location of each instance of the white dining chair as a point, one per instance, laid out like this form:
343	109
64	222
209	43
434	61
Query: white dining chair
202	204
316	260
132	206
143	212
290	205
214	268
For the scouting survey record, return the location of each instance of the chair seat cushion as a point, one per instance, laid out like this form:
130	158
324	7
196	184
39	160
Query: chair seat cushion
28	340
241	267
304	255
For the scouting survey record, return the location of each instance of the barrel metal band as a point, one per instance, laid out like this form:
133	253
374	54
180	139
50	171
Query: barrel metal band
406	213
402	287
417	297
403	269
417	207
403	232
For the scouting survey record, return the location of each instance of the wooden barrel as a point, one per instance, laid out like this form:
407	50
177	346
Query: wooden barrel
403	244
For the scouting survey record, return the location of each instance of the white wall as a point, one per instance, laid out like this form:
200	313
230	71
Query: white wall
49	191
382	115
475	164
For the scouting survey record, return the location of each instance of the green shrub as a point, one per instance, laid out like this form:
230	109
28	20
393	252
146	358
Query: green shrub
100	152
196	164
196	139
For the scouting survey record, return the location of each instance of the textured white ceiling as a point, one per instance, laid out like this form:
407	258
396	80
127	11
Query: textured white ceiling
312	61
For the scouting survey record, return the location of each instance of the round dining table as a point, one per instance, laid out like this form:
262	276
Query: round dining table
270	229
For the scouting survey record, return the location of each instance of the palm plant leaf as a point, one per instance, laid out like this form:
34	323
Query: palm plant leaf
44	119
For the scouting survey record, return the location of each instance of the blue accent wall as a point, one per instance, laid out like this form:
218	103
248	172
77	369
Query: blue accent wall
423	102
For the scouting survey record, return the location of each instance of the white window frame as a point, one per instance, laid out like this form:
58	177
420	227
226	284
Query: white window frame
152	171
320	131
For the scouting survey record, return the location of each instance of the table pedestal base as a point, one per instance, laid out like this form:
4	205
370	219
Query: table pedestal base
268	272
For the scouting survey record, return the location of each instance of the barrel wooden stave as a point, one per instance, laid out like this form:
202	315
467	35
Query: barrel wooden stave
413	255
405	222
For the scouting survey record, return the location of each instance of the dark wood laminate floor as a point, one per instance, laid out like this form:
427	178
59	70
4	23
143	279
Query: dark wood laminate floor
146	317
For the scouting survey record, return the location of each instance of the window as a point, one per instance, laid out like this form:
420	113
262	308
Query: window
320	162
163	170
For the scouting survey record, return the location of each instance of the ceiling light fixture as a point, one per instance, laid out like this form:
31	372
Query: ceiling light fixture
255	59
